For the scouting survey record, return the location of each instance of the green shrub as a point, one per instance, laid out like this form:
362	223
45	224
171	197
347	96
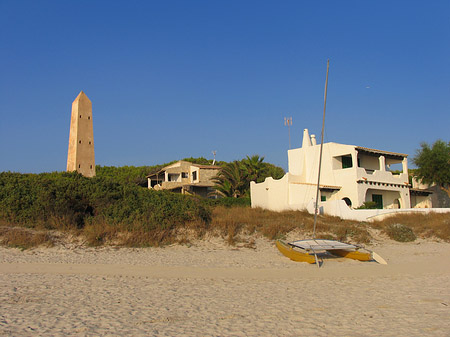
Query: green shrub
70	201
230	202
401	233
368	205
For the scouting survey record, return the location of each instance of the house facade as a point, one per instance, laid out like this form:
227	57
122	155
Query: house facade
185	178
350	176
439	198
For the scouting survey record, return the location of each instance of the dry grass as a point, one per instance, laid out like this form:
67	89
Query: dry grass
237	220
238	225
99	234
25	238
231	222
432	225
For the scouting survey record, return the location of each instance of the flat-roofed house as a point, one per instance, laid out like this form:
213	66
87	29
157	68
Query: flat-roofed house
350	176
186	178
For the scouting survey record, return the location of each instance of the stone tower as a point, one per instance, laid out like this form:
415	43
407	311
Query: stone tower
80	156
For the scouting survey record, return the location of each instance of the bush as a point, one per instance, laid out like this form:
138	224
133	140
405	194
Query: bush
69	201
230	202
401	233
368	205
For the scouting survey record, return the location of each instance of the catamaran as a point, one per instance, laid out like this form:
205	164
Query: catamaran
310	250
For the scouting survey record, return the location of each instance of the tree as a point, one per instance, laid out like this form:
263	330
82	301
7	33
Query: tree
231	180
254	167
271	170
434	164
235	177
258	171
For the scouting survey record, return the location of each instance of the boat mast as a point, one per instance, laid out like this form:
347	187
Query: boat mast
316	207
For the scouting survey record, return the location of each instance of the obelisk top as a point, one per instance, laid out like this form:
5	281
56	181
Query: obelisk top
81	96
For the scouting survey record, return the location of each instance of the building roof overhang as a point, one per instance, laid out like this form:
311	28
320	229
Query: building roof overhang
375	152
419	191
155	175
207	167
179	185
321	187
176	168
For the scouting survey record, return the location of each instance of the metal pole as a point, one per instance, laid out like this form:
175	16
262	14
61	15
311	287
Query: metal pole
316	207
289	131
288	122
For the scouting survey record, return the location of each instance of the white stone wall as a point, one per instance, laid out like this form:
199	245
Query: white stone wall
271	194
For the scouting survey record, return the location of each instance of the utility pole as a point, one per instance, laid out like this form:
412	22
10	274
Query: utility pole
288	123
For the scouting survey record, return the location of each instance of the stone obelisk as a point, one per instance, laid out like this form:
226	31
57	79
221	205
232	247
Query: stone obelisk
80	156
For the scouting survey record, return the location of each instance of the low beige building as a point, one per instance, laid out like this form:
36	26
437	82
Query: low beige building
438	198
185	178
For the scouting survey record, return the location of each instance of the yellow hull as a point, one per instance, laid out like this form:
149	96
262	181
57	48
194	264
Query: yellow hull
355	255
294	255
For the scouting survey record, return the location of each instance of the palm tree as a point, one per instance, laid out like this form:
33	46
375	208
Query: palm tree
231	180
235	177
254	167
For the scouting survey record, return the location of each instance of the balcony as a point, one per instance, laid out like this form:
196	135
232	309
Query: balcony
381	176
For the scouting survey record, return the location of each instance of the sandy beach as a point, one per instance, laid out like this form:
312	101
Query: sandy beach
210	289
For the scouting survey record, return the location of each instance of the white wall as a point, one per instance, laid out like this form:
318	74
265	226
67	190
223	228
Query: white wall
340	209
270	194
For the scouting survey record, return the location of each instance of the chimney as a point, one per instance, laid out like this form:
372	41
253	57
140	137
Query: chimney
306	139
313	140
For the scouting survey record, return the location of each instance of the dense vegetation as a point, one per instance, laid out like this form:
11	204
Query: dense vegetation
104	207
71	201
126	174
433	164
235	177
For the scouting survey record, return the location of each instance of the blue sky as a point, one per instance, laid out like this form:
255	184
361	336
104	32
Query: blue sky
174	79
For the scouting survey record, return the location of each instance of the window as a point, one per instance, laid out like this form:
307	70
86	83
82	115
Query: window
194	175
89	143
348	202
79	165
91	167
89	117
80	116
378	199
323	198
346	162
79	141
184	175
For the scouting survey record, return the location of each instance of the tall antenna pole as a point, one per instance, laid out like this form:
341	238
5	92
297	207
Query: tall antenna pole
288	123
316	208
214	154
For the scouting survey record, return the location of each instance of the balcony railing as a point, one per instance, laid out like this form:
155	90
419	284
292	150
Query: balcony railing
381	176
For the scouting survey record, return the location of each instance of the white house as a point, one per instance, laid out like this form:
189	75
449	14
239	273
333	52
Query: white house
350	176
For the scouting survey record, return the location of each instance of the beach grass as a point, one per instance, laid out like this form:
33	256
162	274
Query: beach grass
25	238
238	225
431	225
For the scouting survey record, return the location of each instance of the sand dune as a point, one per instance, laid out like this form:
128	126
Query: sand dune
213	290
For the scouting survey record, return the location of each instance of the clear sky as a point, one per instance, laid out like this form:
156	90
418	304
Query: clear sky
174	79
